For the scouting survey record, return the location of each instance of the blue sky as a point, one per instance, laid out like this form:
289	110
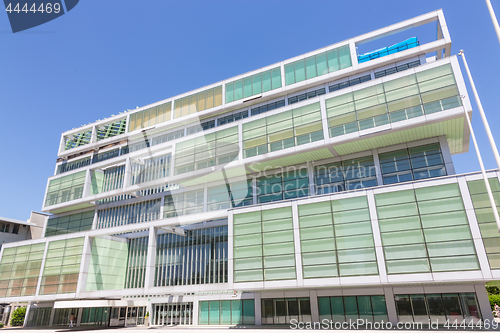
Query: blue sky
107	56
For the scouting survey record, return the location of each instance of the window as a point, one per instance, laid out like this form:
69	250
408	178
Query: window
65	188
307	95
396	69
345	175
283	186
129	214
283	310
267	107
200	127
107	180
232	117
283	130
198	102
4	227
78	139
412	164
349	83
151	116
425	230
150	169
351	308
227	312
253	85
185	203
234	194
15	229
317	65
172	314
438	307
111	129
68	166
69	223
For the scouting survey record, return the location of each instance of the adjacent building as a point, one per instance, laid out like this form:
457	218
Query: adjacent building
318	188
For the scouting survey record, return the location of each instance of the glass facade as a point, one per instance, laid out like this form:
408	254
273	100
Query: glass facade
136	262
77	140
411	96
61	316
283	130
150	169
283	186
151	116
253	85
111	129
412	164
317	65
351	308
95	317
129	214
185	203
107	180
200	257
336	239
62	266
20	269
234	194
38	317
283	310
69	223
198	102
485	218
345	175
108	264
227	312
425	230
437	307
65	188
172	314
207	150
263	246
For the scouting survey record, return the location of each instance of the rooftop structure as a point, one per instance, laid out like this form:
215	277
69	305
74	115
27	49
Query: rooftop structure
319	187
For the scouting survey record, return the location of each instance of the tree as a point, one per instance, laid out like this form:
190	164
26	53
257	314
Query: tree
17	317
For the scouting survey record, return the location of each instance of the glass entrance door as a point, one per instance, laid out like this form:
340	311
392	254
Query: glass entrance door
117	317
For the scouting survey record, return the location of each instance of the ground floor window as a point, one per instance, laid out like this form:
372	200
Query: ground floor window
95	317
61	316
38	317
283	310
345	308
437	308
172	314
230	312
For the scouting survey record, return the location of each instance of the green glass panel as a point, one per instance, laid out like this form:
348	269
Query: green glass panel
245	229
488	229
324	308
492	245
266	81
248	251
278	236
401	82
345	57
393	198
248	276
248	311
405	251
277	249
333	60
356	255
214	313
444	219
279	273
225	312
247	218
400	223
289	74
483	200
400	210
300	72
316	232
246	264
437	192
355	215
447	234
477	186
350	229
279	261
315	220
321	64
320	271
337	308
354	242
275	225
236	312
454	263
407	266
451	248
434	72
318	258
440	205
276	78
349	204
278	213
311	67
245	240
316	245
402	237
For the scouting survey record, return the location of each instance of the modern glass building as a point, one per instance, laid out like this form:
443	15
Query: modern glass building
320	187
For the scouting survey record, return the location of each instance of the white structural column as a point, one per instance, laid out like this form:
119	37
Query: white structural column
392	314
296	240
257	309
483	171
230	245
127	176
313	300
481	112
150	260
493	18
484	303
377	239
445	151
84	266
196	309
378	168
27	314
37	292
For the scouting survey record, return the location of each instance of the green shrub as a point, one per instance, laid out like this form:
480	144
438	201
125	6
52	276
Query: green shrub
1	325
494	299
17	317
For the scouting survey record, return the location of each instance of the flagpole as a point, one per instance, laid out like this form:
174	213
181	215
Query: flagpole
493	18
